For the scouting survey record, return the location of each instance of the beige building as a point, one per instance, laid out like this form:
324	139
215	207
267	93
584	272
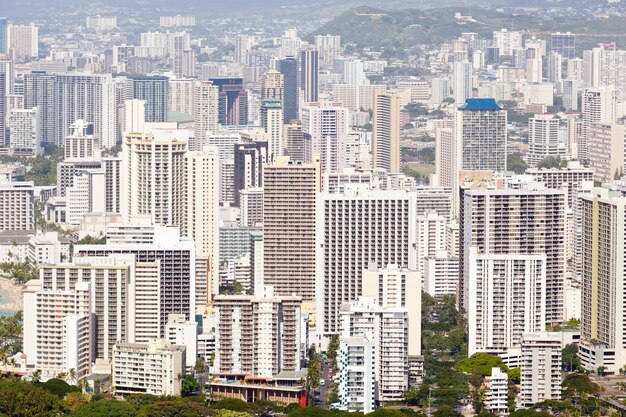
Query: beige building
606	150
205	111
22	41
290	190
17	204
80	143
273	86
386	132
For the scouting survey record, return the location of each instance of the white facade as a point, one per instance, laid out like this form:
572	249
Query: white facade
22	41
134	116
543	138
357	374
497	392
431	236
441	274
179	331
507	41
324	126
48	248
17	201
25	130
205	112
540	368
272	122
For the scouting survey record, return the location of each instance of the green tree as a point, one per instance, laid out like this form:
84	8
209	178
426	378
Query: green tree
232	404
579	385
386	412
446	411
515	163
22	399
482	363
311	412
139	400
551	162
75	400
291	407
58	387
514	375
229	413
313	367
190	386
177	408
333	347
106	408
569	357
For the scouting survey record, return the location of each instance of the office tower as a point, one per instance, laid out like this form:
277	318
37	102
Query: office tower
324	129
227	181
59	328
534	63
154	91
80	143
3	107
353	72
205	112
39	92
288	67
17	204
357	385
389	330
101	22
257	335
440	90
85	196
481	136
431	236
598	106
243	46
181	95
506	298
232	101
154	169
573	177
290	190
395	287
534	224
540	368
112	183
563	44
386	132
251	206
3	35
506	41
555	67
497	392
25	131
309	76
155	368
575	70
182	332
462	81
164	275
329	47
87	97
543	138
446	167
294	140
273	86
202	175
23	42
176	21
68	170
272	122
111	298
7	66
382	225
249	161
571	90
441	274
606	150
603	244
134	116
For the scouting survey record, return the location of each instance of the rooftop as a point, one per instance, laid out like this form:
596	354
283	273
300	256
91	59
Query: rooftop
480	104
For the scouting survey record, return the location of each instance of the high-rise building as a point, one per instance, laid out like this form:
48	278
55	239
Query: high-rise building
543	138
3	109
202	214
257	335
506	298
380	223
17	204
24	130
152	89
462	81
294	140
3	35
39	92
243	46
232	101
273	86
288	67
534	224
112	183
324	129
181	95
101	22
540	368
250	159
309	76
80	143
606	150
205	112
598	106
563	44
481	136
272	122
23	42
497	393
507	41
555	67
386	132
134	116
290	190
431	236
251	206
441	274
603	305
534	62
155	177
440	90
329	47
357	383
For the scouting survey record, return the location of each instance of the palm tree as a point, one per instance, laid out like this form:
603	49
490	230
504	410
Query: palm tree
72	375
36	377
62	375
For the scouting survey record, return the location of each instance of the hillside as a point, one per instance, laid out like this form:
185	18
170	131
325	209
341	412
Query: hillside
367	26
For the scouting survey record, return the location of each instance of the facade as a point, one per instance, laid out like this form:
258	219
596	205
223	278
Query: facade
386	132
249	161
563	44
25	131
17	204
598	106
182	332
497	392
309	76
572	177
134	116
381	223
357	385
273	86
232	101
325	127
205	111
507	41
462	81
272	122
540	367
80	143
153	89
441	274
23	42
606	150
431	236
148	368
329	47
257	335
289	207
506	299
251	206
481	136
288	67
543	138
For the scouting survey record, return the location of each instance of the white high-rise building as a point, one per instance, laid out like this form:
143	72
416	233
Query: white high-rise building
329	47
507	41
85	196
606	143
134	116
431	236
497	394
357	380
205	111
17	205
441	274
324	126
462	81
25	131
381	223
81	143
353	72
272	122
22	42
181	95
440	90
182	332
555	67
540	368
598	106
543	138
506	298
386	132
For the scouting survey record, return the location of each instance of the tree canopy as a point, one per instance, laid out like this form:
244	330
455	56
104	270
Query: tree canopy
482	363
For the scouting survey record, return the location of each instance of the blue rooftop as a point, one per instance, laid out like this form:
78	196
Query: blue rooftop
480	104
